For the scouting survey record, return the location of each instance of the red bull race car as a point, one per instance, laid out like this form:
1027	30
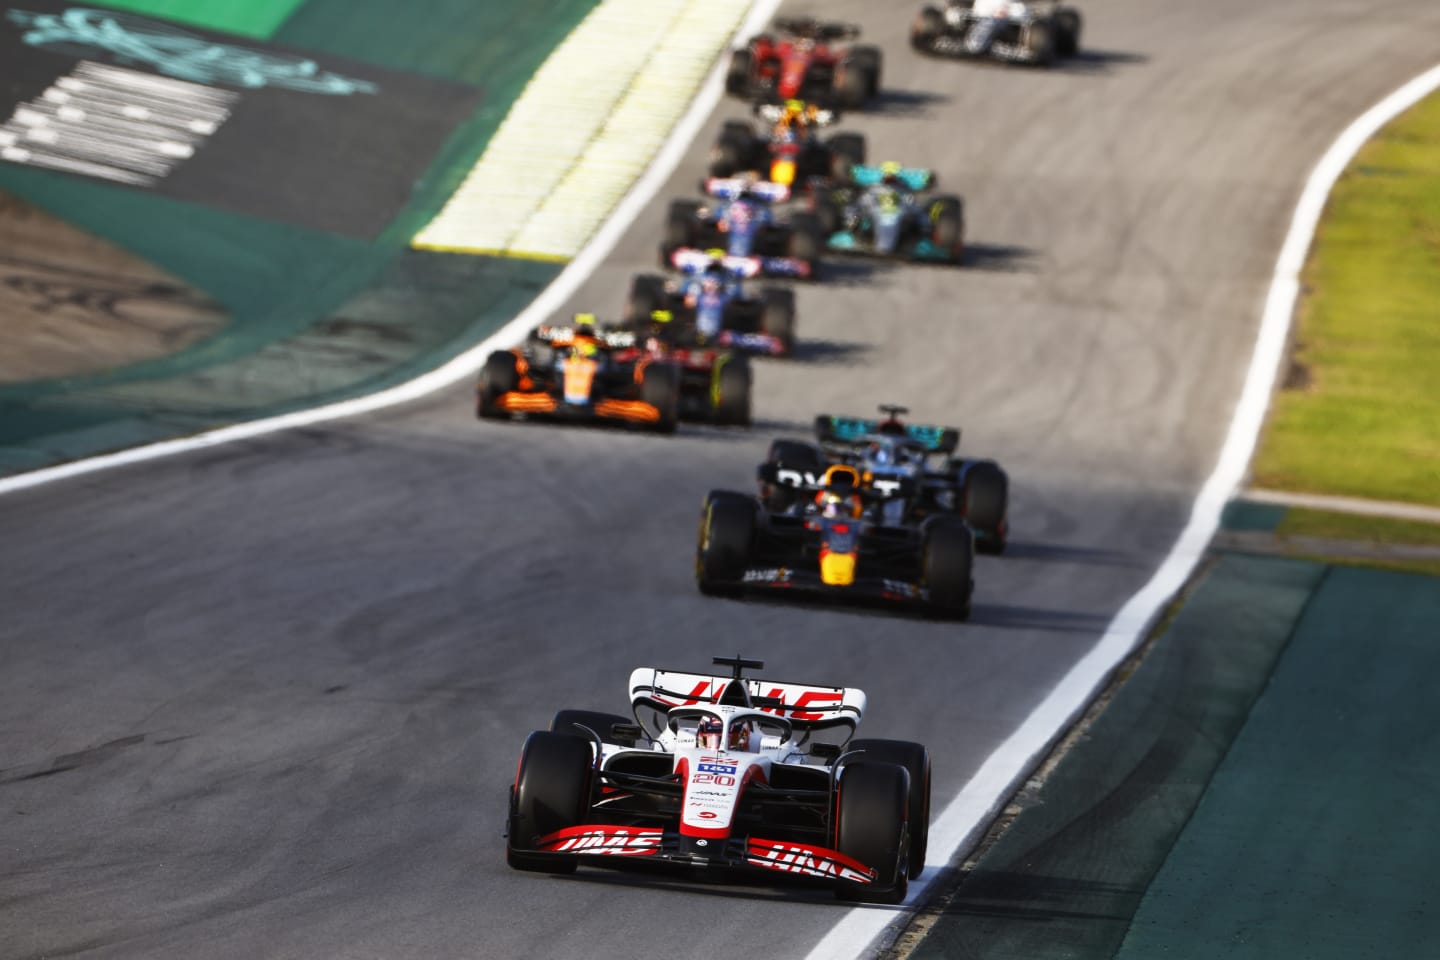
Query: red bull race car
801	59
835	544
791	150
584	373
732	776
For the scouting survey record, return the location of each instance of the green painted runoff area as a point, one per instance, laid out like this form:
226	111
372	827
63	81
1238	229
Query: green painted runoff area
1261	787
1065	879
315	317
1316	839
251	18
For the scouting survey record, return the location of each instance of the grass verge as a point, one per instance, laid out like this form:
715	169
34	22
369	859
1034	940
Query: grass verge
1359	414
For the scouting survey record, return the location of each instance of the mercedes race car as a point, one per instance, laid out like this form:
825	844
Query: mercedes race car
582	373
1037	32
910	471
885	212
791	151
835	545
712	306
799	60
743	224
730	775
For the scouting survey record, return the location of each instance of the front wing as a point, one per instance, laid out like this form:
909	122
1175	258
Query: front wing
541	404
865	588
749	853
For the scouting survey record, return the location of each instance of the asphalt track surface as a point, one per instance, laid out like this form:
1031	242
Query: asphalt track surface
265	700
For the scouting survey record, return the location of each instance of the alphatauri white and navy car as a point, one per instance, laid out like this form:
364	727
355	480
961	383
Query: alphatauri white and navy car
726	774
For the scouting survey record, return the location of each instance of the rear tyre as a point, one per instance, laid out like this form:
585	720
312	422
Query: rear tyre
870	811
777	316
660	387
737	75
731	152
928	26
985	498
500	375
551	792
679	228
1039	41
947	226
916	761
722	550
647	294
732	390
601	723
1067	32
846	150
869	59
852	85
791	455
807	239
947	562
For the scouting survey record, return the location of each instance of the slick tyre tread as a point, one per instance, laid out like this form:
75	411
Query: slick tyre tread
551	792
870	824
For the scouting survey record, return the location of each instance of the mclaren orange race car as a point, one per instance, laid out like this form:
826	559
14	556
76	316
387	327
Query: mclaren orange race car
583	373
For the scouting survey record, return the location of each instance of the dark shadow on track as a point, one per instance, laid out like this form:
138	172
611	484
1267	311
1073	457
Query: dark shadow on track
838	270
826	351
1098	62
1001	258
1057	553
1036	618
906	103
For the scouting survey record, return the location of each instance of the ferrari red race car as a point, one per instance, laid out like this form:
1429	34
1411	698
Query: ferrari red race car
728	775
800	60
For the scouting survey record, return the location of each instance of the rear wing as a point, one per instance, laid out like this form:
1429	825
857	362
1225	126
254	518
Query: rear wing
693	260
561	336
914	178
845	431
804	705
878	488
733	188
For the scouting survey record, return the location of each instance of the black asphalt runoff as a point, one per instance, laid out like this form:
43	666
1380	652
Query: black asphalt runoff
313	141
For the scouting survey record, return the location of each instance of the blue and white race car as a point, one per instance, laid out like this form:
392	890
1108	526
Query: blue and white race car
1036	32
744	225
709	304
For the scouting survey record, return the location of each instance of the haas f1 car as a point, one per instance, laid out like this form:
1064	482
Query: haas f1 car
834	543
910	473
726	774
1037	32
800	60
581	373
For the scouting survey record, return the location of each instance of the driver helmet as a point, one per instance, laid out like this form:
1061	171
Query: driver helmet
740	736
881	455
707	734
833	505
713	277
890	174
584	324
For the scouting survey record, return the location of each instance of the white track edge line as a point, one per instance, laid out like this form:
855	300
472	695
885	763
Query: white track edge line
965	819
549	300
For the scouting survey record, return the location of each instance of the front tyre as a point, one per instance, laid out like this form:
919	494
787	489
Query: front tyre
551	792
871	806
947	562
916	761
722	550
499	376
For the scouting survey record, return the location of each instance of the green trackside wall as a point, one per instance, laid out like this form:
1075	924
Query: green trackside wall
251	18
295	294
